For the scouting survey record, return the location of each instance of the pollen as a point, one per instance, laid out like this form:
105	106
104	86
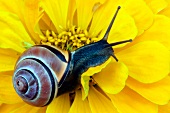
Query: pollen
70	39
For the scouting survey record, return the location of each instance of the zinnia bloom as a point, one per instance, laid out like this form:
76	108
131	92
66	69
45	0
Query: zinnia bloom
138	83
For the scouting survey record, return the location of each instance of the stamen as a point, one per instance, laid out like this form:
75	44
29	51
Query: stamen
53	34
69	39
43	38
47	33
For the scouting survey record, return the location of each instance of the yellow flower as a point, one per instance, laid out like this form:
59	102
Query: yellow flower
137	83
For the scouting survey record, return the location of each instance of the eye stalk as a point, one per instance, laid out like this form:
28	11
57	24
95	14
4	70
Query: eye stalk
110	25
108	31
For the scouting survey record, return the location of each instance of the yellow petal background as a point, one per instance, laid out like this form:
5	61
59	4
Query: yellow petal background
42	110
10	5
26	109
147	61
13	32
7	59
141	13
45	23
6	108
31	17
158	92
159	31
99	103
112	78
102	17
18	7
84	12
79	105
166	11
71	12
7	92
156	5
57	11
164	109
60	104
128	101
9	73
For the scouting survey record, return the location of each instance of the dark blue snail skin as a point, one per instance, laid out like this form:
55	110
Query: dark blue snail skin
81	60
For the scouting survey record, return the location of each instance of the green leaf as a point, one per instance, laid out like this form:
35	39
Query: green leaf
26	45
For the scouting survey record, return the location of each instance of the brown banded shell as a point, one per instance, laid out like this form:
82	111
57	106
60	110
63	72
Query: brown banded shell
37	74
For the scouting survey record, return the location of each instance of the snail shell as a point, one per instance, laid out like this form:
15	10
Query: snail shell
38	74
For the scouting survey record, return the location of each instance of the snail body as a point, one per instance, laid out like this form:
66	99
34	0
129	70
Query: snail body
44	72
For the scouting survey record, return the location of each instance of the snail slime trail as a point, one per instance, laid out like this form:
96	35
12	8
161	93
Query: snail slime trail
39	79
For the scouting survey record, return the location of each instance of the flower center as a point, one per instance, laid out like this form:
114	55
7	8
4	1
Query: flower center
70	39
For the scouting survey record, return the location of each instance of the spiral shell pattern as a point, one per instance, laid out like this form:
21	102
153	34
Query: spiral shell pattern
37	74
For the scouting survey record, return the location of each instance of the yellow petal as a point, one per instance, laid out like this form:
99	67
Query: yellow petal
9	73
156	5
42	110
8	59
60	104
46	24
157	33
26	109
92	70
57	11
79	105
6	108
112	78
158	93
18	7
10	5
13	32
31	17
128	101
9	52
164	108
99	103
84	12
20	108
71	12
141	13
7	62
102	17
147	61
166	11
7	92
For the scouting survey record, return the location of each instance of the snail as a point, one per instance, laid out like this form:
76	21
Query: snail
44	72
